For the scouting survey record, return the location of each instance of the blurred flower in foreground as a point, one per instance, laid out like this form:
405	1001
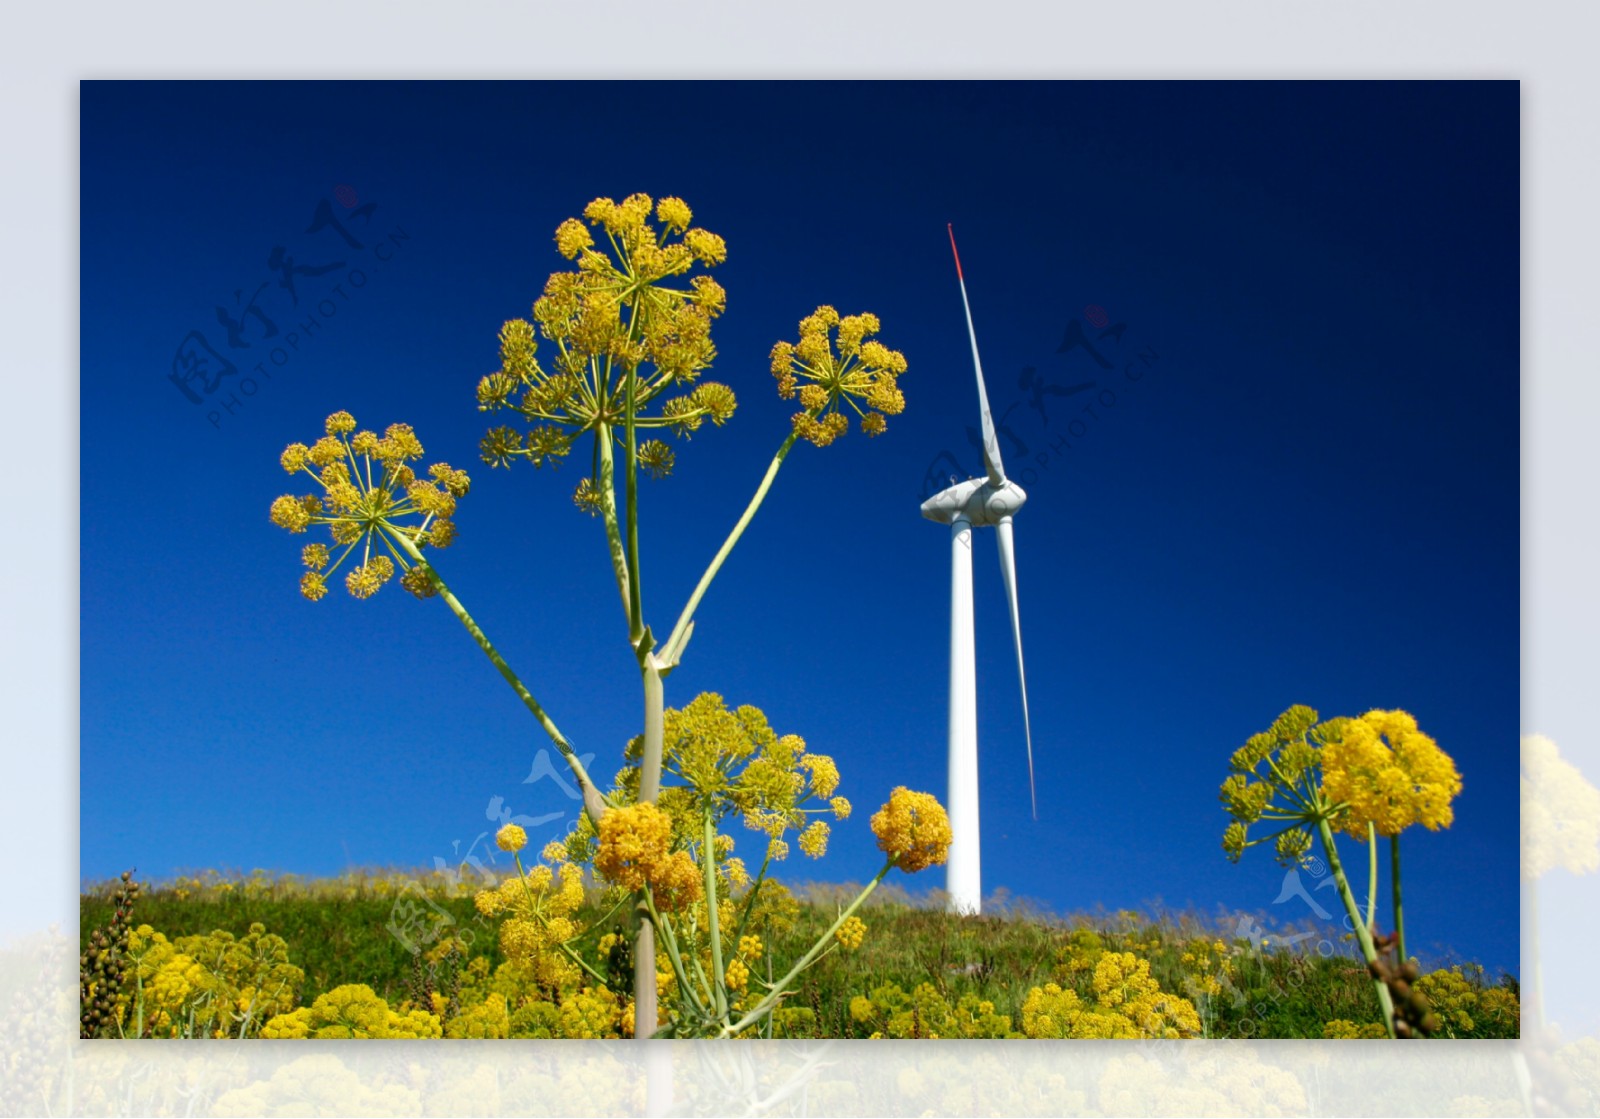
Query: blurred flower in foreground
1560	813
1389	773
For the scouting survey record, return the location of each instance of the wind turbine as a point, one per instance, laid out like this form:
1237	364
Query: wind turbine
985	502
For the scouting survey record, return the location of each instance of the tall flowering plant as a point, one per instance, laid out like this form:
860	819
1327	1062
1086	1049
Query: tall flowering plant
609	366
1367	777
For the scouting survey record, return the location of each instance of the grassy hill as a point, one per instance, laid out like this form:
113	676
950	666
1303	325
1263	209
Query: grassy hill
915	967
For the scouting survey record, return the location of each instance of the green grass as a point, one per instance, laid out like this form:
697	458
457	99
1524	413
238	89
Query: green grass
1282	993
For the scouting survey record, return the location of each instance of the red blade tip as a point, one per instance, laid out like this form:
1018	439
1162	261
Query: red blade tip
952	230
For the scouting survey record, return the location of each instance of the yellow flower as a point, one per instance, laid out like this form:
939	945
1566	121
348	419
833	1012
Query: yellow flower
674	213
824	774
738	975
913	829
1390	775
572	238
512	838
814	840
634	842
838	371
851	933
625	339
840	807
369	494
676	882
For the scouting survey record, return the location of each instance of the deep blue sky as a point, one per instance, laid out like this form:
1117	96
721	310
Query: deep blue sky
1309	496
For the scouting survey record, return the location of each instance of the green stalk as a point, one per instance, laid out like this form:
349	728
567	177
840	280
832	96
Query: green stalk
631	480
766	1004
593	802
1399	916
644	953
608	512
674	642
675	958
708	859
1372	874
1363	937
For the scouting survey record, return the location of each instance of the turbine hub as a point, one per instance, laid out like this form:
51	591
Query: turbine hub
976	500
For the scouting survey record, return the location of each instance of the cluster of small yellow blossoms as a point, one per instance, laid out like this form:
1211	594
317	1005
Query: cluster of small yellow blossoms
925	1014
372	499
1207	967
213	985
1389	774
636	851
1274	776
1128	1002
352	1011
512	838
1343	1029
539	907
1378	770
1467	1007
851	933
913	830
732	761
625	339
834	364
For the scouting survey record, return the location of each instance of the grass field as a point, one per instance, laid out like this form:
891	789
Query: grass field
919	971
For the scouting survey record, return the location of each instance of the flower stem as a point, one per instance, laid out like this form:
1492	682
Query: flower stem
631	481
708	859
593	802
1399	915
674	642
608	512
778	989
1372	874
1363	937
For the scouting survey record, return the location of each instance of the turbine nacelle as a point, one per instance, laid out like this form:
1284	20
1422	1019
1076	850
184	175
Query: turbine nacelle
977	501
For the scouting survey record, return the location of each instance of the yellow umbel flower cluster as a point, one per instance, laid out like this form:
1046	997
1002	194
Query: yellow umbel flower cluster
539	908
370	495
913	830
1389	774
733	762
636	851
627	341
1467	1007
834	364
851	933
215	985
925	1014
1128	1003
1207	966
352	1011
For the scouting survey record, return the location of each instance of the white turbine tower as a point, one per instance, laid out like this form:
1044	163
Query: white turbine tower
976	503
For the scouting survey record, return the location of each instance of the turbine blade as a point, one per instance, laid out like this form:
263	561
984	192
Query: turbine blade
1008	571
991	446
